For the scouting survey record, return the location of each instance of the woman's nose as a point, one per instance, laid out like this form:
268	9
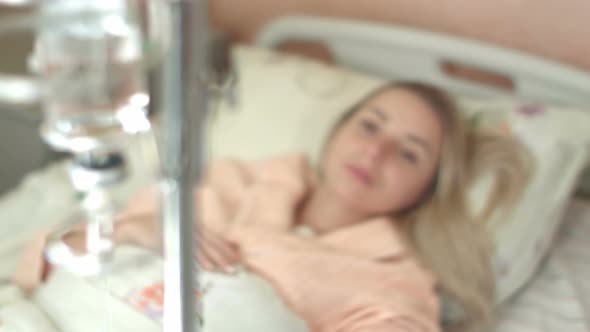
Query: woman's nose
378	149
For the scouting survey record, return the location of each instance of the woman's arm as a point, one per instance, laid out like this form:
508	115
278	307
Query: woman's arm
235	193
138	224
218	197
278	187
222	190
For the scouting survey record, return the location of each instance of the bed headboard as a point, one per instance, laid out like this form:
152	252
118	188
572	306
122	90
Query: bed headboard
460	65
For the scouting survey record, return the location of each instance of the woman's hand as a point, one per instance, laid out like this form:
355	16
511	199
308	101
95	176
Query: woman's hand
139	225
215	253
140	230
32	268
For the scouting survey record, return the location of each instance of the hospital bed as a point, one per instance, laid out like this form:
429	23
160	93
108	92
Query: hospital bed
557	298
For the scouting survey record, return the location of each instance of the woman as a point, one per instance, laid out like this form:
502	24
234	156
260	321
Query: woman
373	239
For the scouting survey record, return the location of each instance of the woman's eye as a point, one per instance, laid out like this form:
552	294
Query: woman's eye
409	156
369	126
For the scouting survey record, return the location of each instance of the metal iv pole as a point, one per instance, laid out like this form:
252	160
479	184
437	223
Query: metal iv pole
183	100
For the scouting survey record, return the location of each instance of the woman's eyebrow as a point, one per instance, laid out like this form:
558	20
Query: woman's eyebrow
380	113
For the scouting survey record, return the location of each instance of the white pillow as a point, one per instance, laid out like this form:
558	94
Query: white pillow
288	103
285	104
558	139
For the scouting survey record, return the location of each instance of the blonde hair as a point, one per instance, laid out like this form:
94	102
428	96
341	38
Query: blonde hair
451	241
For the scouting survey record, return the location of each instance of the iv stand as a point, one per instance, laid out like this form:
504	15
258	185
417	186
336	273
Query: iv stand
183	100
179	91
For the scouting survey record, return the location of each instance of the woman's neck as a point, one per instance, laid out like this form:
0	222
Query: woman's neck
324	212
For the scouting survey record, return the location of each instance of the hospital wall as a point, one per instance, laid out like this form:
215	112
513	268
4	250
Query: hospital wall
556	29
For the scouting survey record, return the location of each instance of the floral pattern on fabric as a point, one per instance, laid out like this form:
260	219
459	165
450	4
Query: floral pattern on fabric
150	300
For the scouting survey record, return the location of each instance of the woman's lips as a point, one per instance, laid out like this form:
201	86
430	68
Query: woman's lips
360	174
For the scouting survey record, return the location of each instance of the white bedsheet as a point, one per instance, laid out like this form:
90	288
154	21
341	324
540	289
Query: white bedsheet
558	298
129	299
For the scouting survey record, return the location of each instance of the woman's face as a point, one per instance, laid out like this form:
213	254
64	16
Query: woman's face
385	155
